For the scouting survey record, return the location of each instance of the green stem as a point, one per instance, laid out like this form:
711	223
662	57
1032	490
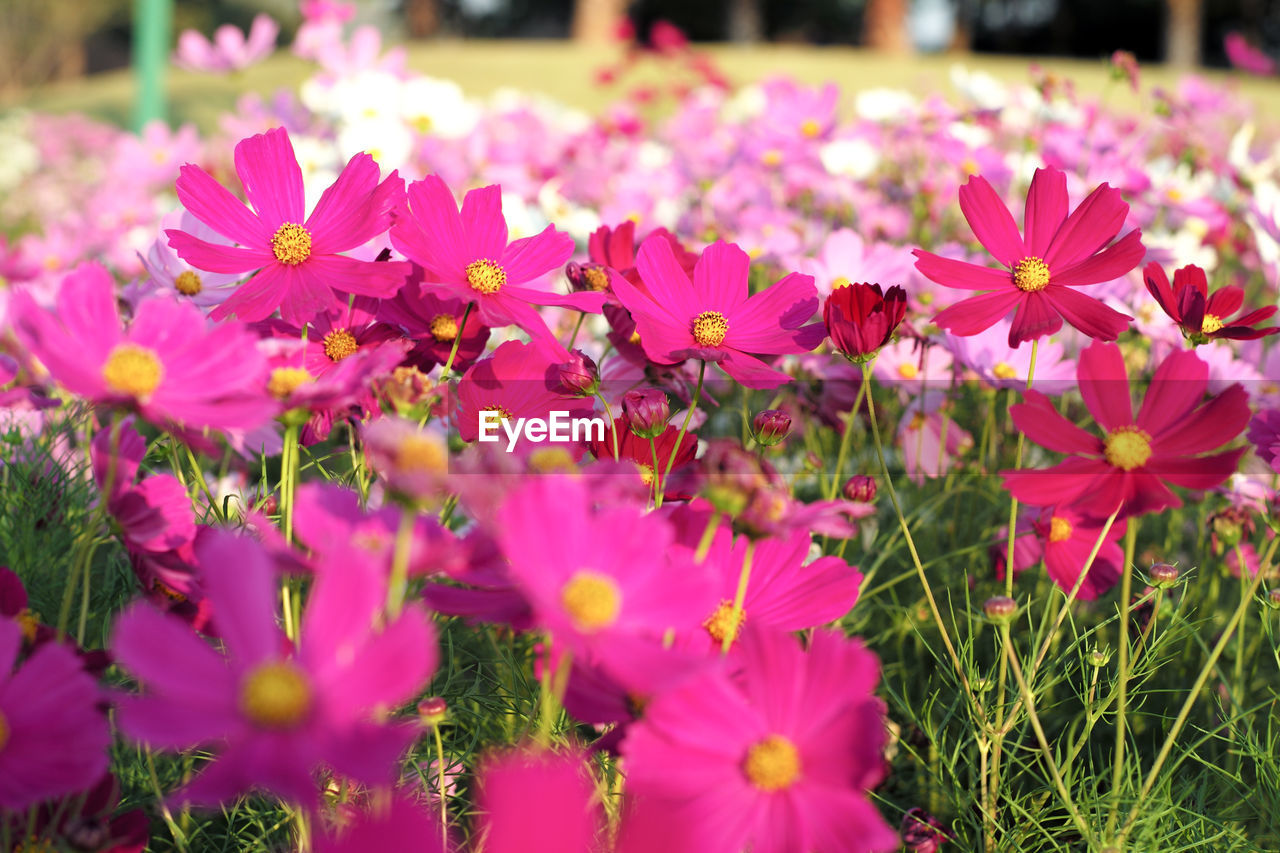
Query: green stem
708	534
1029	703
398	585
444	805
1181	720
911	545
179	837
613	433
1122	685
657	477
735	614
688	416
574	337
845	440
453	351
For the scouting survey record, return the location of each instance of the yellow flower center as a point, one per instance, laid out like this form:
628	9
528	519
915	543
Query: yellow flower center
188	283
1004	370
339	344
421	453
36	844
503	411
444	328
596	278
646	472
634	338
810	128
1211	324
168	591
29	623
285	380
723	623
772	764
840	281
552	460
485	276
1059	529
133	370
908	371
4	732
276	695
592	600
291	244
1031	274
772	157
1127	448
709	329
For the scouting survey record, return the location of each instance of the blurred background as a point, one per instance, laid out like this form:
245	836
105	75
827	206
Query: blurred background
49	50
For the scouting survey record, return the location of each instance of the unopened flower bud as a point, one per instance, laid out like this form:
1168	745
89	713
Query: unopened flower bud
1163	575
860	489
1000	609
1097	657
771	427
1273	598
432	710
579	375
922	832
647	411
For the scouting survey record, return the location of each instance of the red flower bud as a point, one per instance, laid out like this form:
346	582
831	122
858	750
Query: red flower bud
860	318
647	411
860	489
771	427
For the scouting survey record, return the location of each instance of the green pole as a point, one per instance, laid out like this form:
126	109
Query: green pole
152	26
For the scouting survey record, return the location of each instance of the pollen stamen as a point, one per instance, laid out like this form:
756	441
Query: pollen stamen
291	244
133	370
486	276
710	328
276	695
1211	323
1031	275
1127	448
592	600
772	764
1059	529
285	380
188	283
339	344
444	328
723	623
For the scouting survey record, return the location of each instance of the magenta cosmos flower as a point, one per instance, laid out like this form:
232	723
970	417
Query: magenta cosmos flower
169	365
1130	466
53	737
1203	316
296	256
779	759
468	255
1057	254
601	580
535	801
714	318
272	715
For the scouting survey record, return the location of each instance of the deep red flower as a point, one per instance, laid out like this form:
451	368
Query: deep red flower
1131	466
1202	316
1058	253
861	318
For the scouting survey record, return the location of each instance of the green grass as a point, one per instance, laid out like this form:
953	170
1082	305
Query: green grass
566	71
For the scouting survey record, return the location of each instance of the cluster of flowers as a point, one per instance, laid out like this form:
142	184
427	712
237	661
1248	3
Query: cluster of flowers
666	570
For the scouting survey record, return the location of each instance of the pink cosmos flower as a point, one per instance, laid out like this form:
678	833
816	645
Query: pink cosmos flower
433	323
930	439
783	593
186	282
53	737
155	514
230	50
1064	538
520	380
273	714
535	801
600	579
1264	435
300	270
777	760
714	318
467	253
1058	254
1246	57
989	355
1130	466
169	365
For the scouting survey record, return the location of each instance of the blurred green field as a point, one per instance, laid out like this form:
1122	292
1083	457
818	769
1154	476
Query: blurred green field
566	71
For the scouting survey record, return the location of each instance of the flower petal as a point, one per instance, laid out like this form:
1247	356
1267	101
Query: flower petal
1089	227
532	257
720	277
1036	318
1040	421
978	313
272	178
1046	210
1107	265
1104	384
215	206
991	221
1087	314
961	275
1177	387
484	224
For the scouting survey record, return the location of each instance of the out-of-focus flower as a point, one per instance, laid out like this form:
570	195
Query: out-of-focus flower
229	50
